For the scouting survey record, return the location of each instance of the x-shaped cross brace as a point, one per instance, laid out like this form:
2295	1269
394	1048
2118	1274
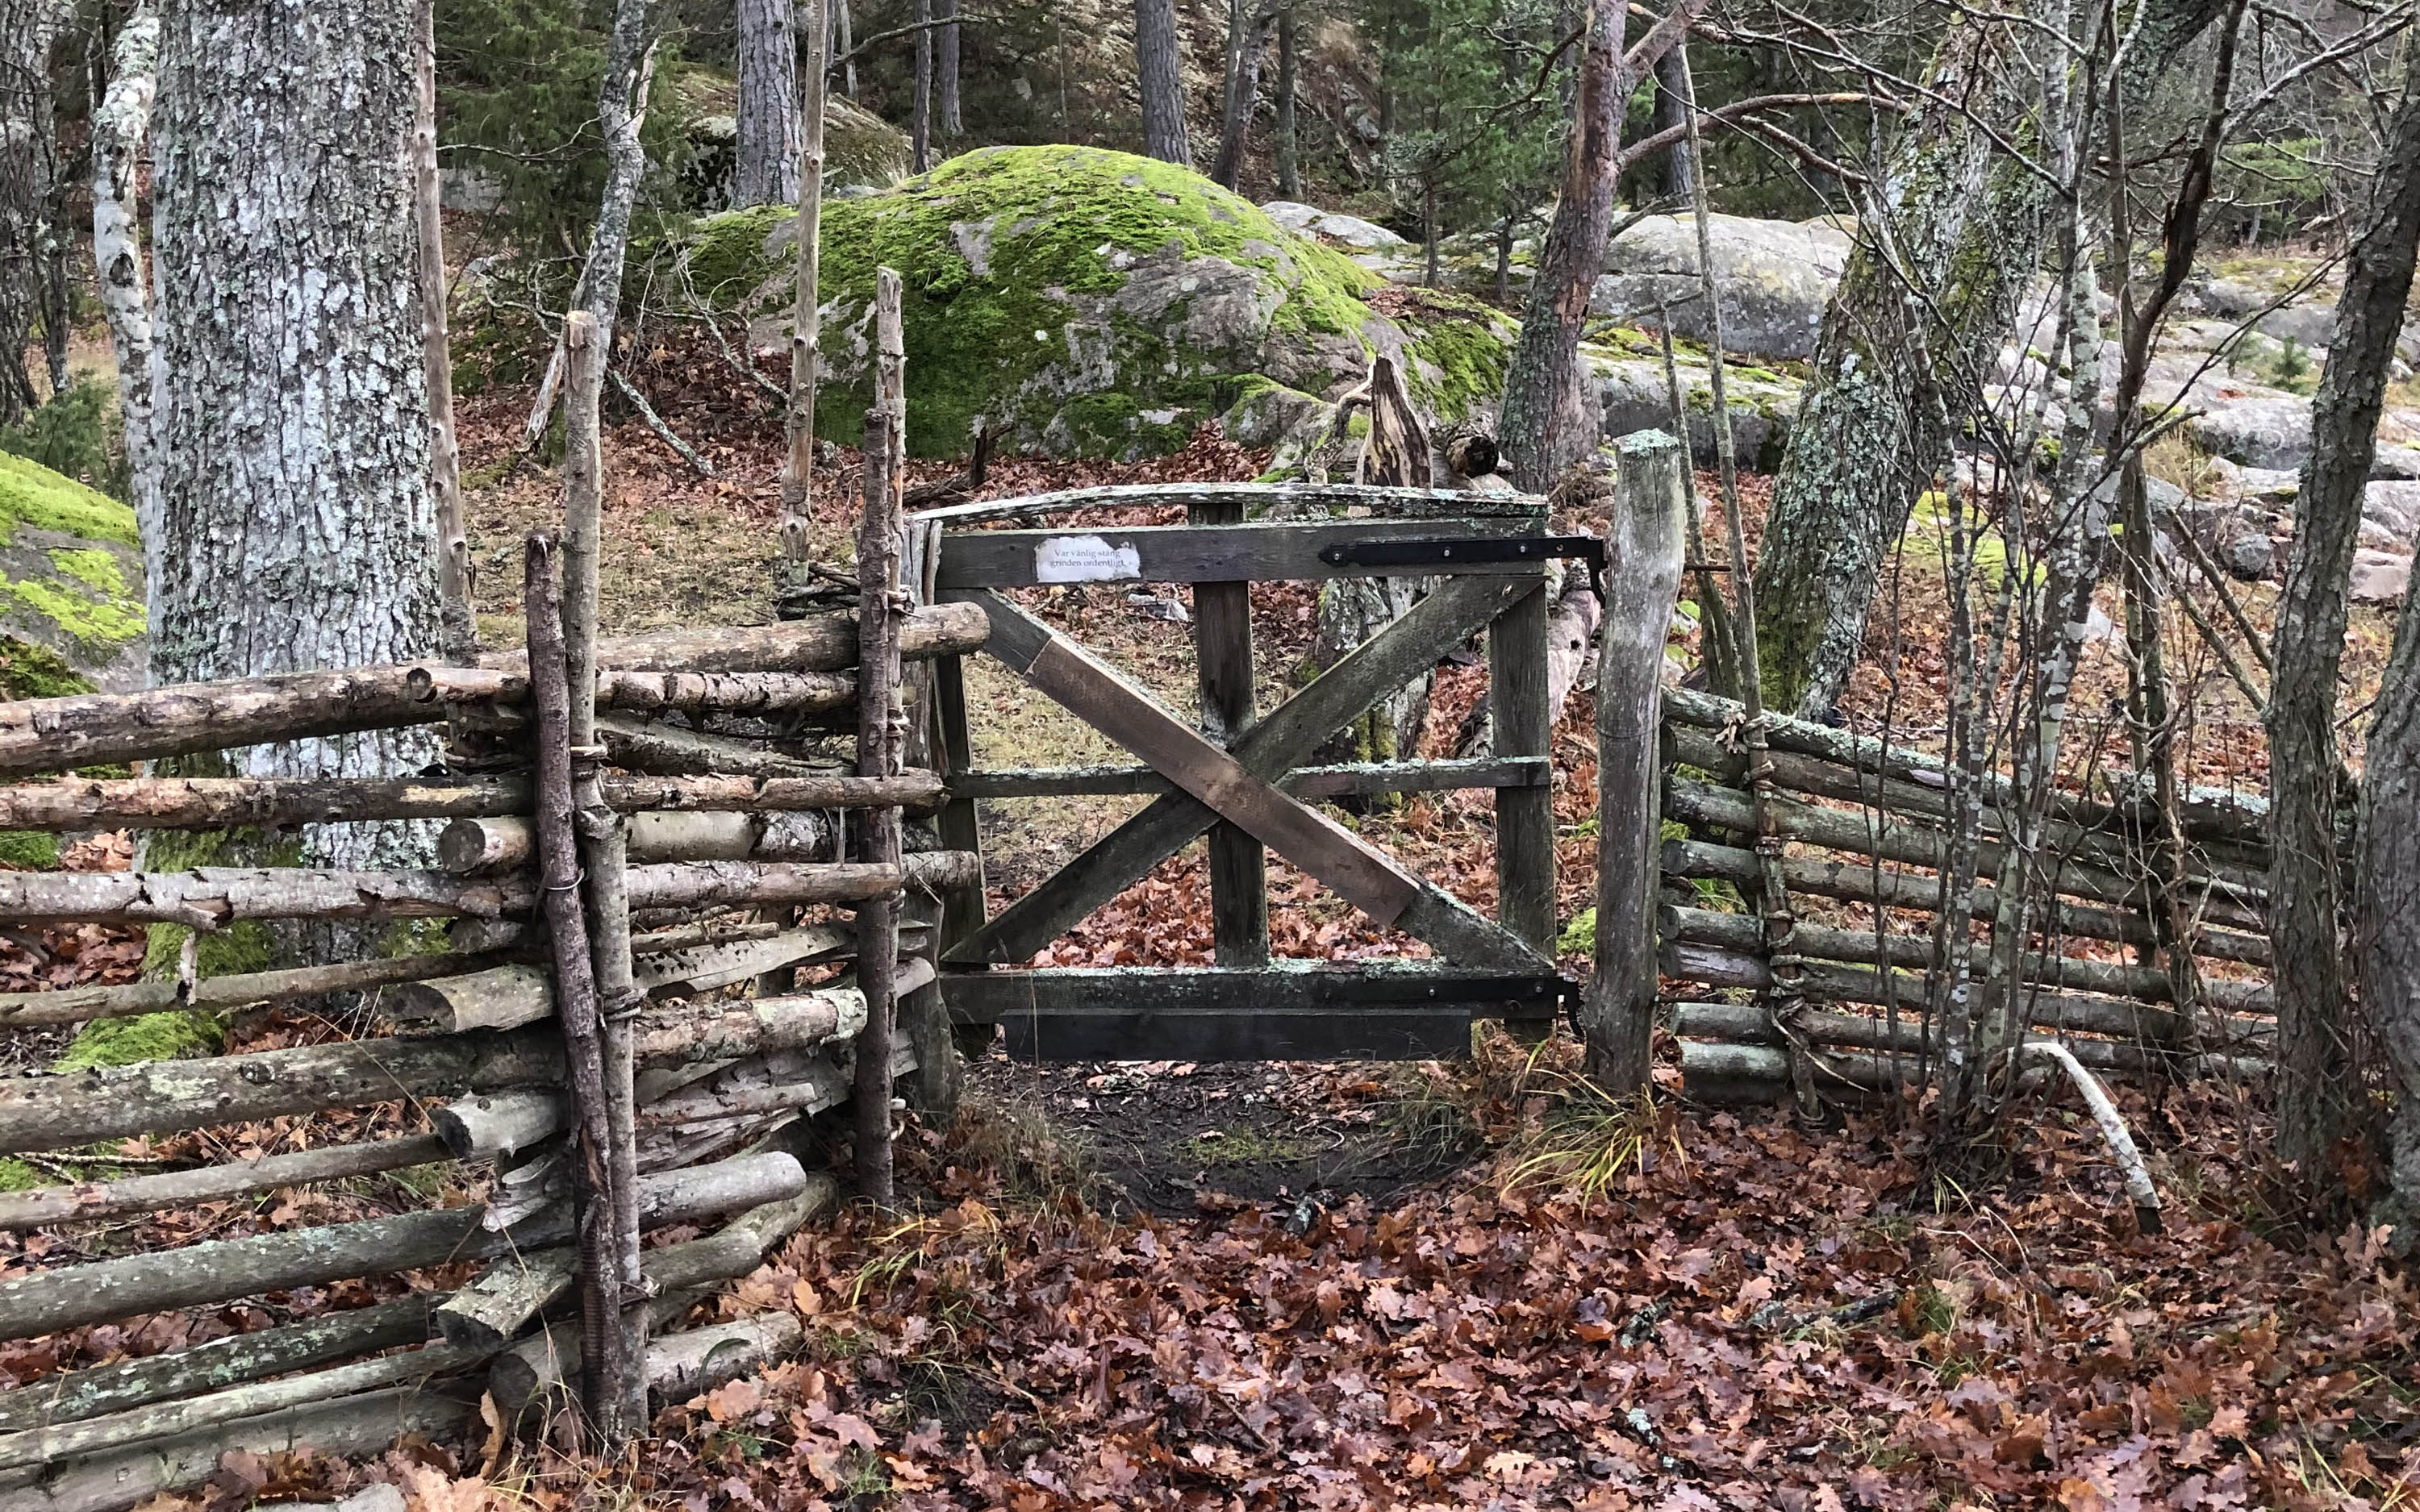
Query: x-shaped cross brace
1237	784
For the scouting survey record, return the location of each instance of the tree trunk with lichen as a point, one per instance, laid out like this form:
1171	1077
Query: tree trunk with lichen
2321	1097
26	169
292	424
1927	299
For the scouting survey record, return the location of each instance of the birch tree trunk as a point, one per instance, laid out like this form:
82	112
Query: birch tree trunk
1159	72
119	128
291	418
27	28
768	170
2318	1095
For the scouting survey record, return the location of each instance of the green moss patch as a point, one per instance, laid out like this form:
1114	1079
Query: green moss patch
144	1037
70	577
32	494
1084	302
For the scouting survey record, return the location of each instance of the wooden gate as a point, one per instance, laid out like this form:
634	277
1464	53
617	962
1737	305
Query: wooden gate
1242	780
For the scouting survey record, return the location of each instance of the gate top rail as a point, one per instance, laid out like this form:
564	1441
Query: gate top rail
1399	502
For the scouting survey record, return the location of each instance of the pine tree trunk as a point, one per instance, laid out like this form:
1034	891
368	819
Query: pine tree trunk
1893	374
2318	1096
27	28
953	121
1679	174
1159	69
1289	150
1247	35
920	116
767	169
2389	899
292	426
119	128
1545	427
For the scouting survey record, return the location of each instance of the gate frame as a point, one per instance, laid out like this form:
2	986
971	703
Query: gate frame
1249	1006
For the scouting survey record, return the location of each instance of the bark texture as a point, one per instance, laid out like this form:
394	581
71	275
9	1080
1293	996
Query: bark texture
767	169
1247	36
1546	425
118	129
26	168
2318	1094
456	631
1927	298
1159	75
292	411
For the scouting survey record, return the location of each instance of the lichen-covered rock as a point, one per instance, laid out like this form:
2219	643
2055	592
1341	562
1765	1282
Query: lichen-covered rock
1085	303
1774	278
1631	386
2271	430
70	585
1333	225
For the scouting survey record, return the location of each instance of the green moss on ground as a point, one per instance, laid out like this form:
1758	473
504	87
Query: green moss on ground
144	1037
65	551
34	672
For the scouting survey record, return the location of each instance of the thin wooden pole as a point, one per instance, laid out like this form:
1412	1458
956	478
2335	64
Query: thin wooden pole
600	1286
806	342
1646	545
458	632
620	1403
880	730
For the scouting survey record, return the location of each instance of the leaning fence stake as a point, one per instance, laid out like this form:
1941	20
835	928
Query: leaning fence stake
879	739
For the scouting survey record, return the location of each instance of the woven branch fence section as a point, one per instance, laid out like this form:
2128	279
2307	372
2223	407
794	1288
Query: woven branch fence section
732	818
1865	828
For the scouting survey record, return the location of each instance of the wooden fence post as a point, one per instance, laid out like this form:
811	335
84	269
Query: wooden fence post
1644	551
881	730
601	1356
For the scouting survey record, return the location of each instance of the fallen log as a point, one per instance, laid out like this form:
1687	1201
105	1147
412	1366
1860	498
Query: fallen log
1751	1023
75	1005
750	884
726	1031
358	1428
488	1124
220	1271
221	802
211	1183
505	1296
75	1394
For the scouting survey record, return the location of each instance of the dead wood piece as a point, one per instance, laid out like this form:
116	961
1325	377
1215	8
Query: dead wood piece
75	1005
662	750
170	1189
121	1384
485	1125
220	1271
212	897
821	643
678	1365
502	1299
717	1031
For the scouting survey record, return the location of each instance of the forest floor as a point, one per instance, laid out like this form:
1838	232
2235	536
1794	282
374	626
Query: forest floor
1468	1284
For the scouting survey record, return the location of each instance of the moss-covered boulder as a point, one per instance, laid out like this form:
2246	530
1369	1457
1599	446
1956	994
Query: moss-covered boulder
1087	302
70	585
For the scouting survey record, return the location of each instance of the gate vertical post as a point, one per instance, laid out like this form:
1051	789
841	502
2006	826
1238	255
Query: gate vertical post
1222	637
1644	550
1525	816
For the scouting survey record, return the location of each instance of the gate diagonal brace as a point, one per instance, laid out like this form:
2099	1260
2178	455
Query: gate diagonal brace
1363	875
1274	744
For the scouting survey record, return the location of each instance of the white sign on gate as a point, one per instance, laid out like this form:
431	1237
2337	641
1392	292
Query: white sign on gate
1084	558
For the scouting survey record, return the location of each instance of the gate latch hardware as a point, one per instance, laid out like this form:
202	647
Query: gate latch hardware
1446	551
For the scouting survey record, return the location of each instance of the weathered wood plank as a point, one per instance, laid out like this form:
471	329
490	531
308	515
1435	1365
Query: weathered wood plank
1223	636
1431	503
1645	549
1206	552
1284	737
1355	870
1292	986
1356	779
1525	816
